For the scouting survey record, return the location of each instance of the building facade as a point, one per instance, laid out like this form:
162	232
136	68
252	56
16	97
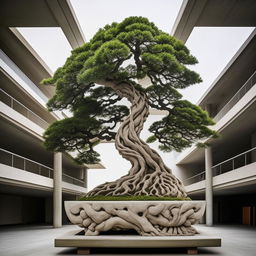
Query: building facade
224	173
33	182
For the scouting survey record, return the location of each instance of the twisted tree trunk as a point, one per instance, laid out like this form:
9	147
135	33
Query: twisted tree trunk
148	175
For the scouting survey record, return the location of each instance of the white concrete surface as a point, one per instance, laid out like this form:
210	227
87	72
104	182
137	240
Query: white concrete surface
12	175
72	239
243	175
21	120
16	174
208	186
39	241
228	118
57	190
20	78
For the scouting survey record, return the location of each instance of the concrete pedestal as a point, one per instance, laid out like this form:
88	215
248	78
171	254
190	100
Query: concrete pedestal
77	239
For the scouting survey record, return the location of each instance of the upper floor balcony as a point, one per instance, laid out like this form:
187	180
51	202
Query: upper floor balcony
237	108
15	168
20	87
21	116
236	97
22	109
237	170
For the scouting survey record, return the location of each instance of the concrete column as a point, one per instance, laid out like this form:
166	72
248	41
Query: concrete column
57	190
86	178
253	144
208	186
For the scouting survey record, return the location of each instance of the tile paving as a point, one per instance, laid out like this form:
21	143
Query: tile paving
39	241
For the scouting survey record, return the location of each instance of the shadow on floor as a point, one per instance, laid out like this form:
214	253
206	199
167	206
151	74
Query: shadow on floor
139	251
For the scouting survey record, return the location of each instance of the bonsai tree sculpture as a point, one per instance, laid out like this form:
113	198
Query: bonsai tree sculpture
107	69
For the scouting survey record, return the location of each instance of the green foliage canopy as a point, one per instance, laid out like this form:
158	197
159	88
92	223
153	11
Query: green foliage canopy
124	52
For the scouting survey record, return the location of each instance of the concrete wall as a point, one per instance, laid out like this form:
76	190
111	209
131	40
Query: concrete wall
12	173
24	209
17	209
233	113
11	209
16	117
183	171
243	175
48	210
228	209
15	174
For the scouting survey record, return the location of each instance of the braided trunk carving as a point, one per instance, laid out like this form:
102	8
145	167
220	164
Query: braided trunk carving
148	218
148	175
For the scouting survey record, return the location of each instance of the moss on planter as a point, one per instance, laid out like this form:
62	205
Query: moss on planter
133	198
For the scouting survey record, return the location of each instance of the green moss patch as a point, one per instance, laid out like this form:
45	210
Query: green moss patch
133	198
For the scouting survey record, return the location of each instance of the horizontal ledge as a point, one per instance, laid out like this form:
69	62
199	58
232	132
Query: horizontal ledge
73	239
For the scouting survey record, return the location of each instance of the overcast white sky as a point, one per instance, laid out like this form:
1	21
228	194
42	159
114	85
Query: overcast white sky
213	47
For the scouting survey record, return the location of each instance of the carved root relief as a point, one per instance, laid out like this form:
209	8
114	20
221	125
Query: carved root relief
148	218
148	175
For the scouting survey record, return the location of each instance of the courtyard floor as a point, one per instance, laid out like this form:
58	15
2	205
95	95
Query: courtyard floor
39	241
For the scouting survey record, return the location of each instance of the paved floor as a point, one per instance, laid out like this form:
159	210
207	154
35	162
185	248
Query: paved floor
39	241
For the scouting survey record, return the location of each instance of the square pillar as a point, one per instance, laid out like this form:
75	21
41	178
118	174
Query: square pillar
57	190
208	186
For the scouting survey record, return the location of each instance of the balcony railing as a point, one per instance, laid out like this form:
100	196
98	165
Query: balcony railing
19	107
23	163
230	164
240	93
73	180
195	178
235	162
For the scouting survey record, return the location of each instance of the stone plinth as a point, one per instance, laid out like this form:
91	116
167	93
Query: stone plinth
84	243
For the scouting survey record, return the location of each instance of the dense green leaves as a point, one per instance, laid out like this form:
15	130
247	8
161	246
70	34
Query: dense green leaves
185	124
83	131
124	52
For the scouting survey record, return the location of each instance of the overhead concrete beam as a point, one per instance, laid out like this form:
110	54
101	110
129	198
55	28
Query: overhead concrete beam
213	13
25	57
66	18
241	66
43	13
187	18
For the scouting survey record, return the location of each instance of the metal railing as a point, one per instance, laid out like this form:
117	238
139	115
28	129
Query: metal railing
19	107
235	162
73	180
240	93
230	164
195	178
23	163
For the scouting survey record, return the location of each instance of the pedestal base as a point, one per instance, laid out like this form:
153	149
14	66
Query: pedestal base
84	243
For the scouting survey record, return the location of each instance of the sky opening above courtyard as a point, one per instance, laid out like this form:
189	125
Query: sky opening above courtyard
213	47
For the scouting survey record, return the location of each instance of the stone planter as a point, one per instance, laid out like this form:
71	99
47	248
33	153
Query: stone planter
148	218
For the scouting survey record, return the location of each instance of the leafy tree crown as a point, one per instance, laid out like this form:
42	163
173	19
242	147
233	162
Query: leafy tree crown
124	52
